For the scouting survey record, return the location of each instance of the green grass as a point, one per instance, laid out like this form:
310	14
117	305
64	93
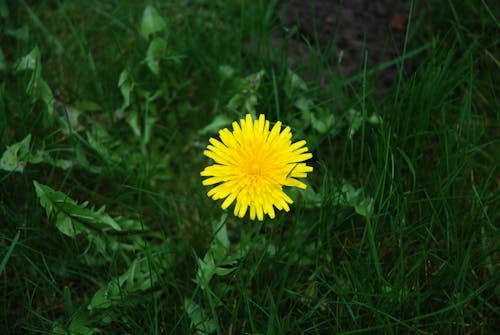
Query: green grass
397	233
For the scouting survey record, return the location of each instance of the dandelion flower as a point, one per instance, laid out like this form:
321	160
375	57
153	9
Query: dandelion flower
252	164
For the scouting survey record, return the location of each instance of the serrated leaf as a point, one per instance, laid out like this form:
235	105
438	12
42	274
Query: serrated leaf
151	22
67	208
44	200
101	232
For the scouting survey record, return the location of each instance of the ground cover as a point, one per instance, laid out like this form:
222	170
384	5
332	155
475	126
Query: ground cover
106	109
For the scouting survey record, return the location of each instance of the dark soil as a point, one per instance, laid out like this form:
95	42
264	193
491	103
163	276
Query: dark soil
346	29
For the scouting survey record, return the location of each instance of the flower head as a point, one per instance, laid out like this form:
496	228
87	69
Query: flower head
253	164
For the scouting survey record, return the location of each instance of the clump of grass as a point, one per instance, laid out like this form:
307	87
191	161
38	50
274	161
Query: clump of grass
105	111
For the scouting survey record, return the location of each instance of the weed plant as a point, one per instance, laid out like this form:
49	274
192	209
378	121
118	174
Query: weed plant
105	227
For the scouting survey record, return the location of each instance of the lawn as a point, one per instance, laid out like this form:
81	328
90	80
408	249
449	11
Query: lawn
106	112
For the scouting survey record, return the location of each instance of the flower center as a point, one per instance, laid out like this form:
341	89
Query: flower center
254	169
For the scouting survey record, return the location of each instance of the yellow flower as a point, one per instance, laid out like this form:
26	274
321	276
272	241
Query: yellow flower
253	164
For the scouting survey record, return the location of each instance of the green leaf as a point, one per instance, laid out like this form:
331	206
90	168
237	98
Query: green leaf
223	271
310	198
205	272
133	122
106	296
149	122
217	260
375	119
43	91
293	84
30	62
88	105
137	278
200	322
16	157
245	99
364	207
101	141
353	197
69	119
44	200
219	122
65	225
356	120
151	22
37	88
304	105
80	217
220	231
126	86
105	234
226	71
80	322
21	33
156	51
323	125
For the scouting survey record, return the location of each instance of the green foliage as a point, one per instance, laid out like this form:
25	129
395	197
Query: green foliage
218	260
16	156
37	88
107	236
152	22
100	230
107	229
199	319
246	97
